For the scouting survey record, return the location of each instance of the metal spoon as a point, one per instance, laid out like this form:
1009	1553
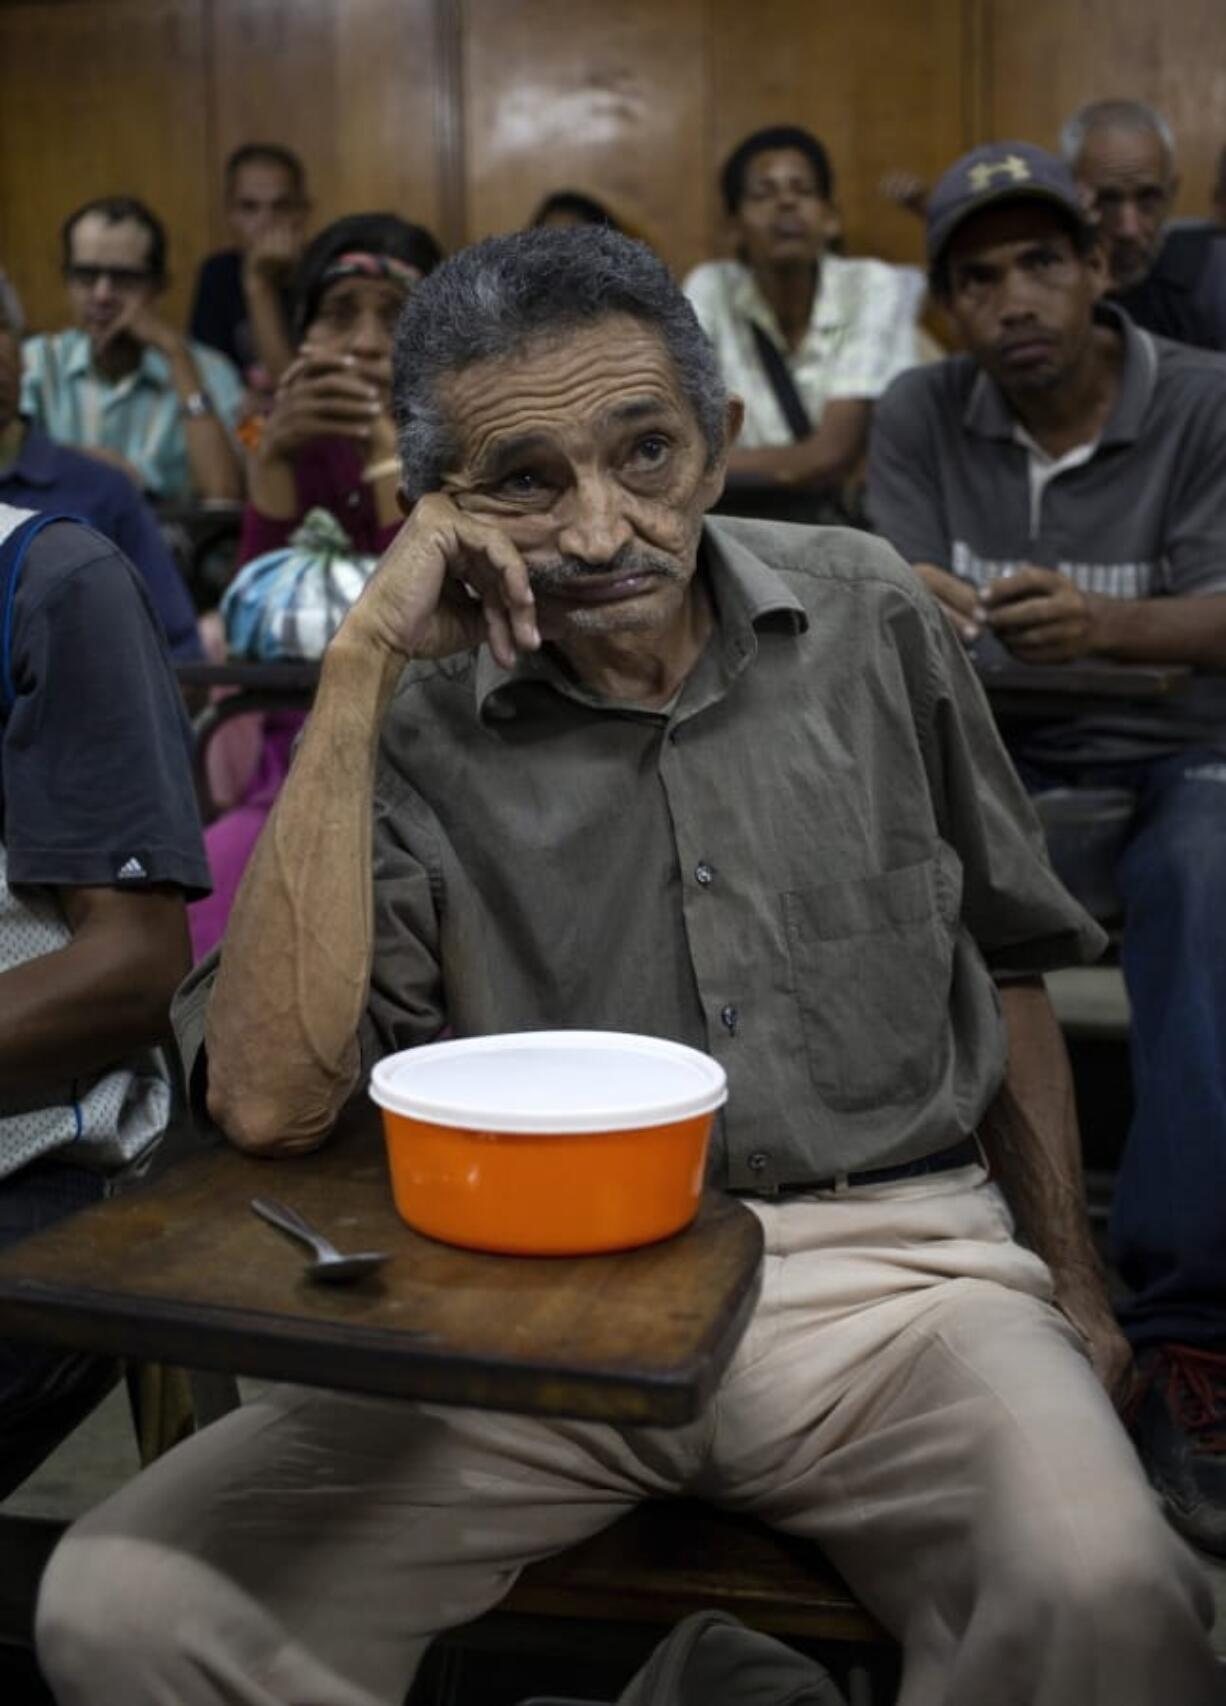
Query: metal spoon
329	1267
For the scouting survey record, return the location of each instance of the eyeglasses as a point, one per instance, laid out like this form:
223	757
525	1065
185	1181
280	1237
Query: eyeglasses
122	278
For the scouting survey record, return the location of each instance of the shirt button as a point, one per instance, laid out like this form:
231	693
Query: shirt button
730	1017
703	873
758	1161
674	734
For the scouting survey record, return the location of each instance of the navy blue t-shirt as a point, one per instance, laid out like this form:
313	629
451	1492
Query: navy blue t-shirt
52	478
219	315
96	782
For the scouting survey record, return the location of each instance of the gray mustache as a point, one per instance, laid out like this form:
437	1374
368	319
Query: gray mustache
555	576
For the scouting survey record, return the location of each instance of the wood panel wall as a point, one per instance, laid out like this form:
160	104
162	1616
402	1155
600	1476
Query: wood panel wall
462	113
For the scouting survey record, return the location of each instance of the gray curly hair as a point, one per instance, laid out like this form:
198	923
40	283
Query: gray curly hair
505	293
1134	116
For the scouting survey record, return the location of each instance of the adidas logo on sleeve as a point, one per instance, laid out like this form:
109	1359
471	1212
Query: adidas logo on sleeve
130	871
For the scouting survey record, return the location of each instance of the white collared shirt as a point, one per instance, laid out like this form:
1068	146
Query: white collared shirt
861	334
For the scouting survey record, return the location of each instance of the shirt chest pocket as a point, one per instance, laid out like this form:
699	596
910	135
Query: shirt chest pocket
872	962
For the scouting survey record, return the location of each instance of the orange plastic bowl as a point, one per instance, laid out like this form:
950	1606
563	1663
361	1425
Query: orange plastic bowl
548	1143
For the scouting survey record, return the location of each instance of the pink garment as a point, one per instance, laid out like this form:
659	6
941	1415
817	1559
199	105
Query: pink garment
329	476
231	841
234	751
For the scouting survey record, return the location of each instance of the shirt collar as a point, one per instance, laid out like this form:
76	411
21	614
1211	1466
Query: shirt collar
78	362
827	314
988	413
35	463
746	593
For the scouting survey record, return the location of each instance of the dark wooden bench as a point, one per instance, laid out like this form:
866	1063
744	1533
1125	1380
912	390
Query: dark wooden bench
612	1598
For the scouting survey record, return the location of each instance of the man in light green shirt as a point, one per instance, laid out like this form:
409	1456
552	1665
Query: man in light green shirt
123	385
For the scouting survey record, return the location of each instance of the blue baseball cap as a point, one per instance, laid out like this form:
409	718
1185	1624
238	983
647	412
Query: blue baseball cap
997	172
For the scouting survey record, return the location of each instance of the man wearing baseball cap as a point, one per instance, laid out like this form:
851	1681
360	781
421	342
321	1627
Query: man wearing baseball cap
1061	489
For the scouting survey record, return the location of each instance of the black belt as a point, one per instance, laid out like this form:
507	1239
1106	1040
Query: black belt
963	1154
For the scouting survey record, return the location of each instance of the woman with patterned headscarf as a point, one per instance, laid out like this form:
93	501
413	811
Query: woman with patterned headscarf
327	445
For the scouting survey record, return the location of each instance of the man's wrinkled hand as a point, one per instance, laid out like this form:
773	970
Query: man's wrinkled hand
447	582
140	322
1041	615
1087	1308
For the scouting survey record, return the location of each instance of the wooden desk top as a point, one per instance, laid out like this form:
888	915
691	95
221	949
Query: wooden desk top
1085	678
292	676
181	1271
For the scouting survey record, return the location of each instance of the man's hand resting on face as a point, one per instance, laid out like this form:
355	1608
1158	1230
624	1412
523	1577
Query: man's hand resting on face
447	582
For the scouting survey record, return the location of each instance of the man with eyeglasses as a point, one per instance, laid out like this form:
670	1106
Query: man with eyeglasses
123	385
38	474
1169	279
1060	488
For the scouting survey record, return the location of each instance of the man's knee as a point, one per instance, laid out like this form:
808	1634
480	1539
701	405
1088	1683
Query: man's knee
108	1605
1132	1594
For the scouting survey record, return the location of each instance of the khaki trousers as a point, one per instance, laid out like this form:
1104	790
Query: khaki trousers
906	1396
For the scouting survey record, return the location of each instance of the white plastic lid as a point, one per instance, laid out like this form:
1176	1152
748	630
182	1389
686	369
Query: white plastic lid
550	1081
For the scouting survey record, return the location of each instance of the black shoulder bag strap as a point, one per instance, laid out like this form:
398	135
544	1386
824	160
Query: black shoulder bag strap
782	384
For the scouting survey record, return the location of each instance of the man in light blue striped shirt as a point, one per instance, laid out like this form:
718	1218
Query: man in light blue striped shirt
122	384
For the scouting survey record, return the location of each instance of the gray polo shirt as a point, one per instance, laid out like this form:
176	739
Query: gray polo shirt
806	866
1141	514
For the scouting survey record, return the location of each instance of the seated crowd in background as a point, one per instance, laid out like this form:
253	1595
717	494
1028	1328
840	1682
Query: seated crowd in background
1060	487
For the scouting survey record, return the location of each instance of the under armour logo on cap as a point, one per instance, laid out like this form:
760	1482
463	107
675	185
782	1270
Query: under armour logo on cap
999	171
1012	167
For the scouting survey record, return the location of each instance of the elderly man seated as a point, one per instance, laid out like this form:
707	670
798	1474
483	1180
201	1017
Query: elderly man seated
580	757
1169	278
806	338
123	385
1061	486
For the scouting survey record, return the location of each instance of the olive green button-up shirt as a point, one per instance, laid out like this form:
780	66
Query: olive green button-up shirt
810	865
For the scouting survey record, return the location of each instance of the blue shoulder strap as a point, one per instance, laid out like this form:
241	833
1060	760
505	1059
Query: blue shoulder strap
13	551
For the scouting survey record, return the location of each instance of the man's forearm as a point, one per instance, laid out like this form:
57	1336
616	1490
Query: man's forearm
216	471
281	1030
267	316
1161	630
828	455
1031	1136
105	993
